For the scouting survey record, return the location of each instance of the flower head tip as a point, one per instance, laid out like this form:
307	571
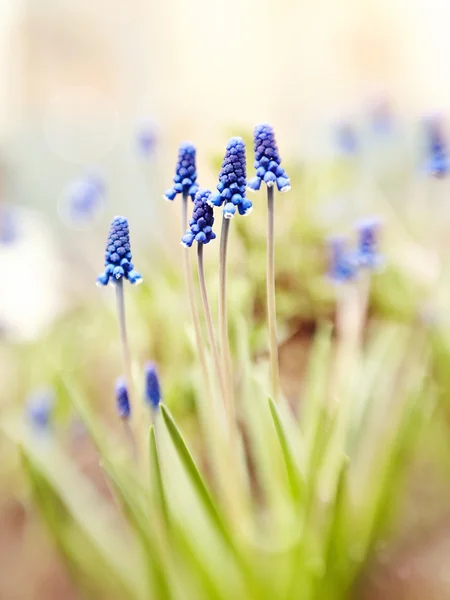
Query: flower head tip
200	226
122	399
118	255
152	388
267	161
185	173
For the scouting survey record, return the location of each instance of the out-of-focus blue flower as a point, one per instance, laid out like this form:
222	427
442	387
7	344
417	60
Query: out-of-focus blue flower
152	388
267	161
346	139
39	407
118	255
122	399
146	139
185	173
232	181
84	198
200	226
8	225
381	118
437	159
343	264
367	250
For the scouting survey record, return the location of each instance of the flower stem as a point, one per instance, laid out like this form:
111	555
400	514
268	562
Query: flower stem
271	306
208	317
191	294
223	320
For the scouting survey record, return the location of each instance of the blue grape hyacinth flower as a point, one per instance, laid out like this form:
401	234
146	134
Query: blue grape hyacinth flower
118	255
39	407
232	181
343	264
185	173
122	399
84	198
146	139
438	160
367	253
346	139
201	224
152	387
267	161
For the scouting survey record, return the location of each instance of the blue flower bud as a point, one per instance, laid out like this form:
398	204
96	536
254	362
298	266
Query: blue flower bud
118	256
267	161
367	251
39	407
343	264
152	388
232	180
438	163
186	173
122	399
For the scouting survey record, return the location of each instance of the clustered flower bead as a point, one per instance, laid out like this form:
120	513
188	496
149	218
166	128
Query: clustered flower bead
200	226
185	173
122	399
267	161
438	160
118	255
367	254
232	181
343	265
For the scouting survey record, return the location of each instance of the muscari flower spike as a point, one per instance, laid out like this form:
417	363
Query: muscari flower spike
146	139
343	265
152	388
346	139
367	254
267	161
200	226
185	173
85	197
118	256
122	399
39	407
438	160
232	181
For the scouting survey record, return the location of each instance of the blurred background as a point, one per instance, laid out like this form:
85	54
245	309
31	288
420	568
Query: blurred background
95	97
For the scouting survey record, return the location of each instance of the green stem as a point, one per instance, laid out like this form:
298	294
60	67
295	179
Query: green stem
191	293
209	322
271	305
223	320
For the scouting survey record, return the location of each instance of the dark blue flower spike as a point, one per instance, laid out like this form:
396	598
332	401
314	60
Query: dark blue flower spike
118	255
232	181
185	173
201	224
267	161
343	264
122	400
152	388
438	161
367	254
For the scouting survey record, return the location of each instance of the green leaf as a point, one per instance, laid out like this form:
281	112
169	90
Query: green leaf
294	477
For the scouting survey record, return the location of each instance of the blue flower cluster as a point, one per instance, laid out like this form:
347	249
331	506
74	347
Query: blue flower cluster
118	256
152	389
122	399
232	181
438	160
343	266
185	173
200	226
367	249
267	161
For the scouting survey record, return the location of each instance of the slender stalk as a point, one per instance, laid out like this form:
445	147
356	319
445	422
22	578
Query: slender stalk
223	320
191	293
126	360
209	323
271	306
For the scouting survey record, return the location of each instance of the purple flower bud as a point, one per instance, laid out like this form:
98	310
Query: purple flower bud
122	399
152	388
